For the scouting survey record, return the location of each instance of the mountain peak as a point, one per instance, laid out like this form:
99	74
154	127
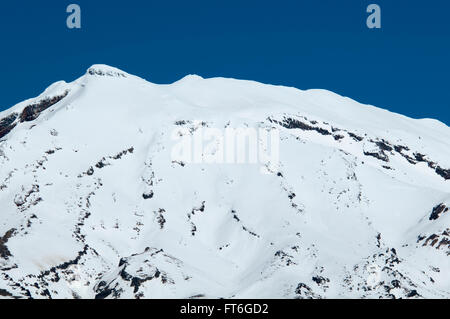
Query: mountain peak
106	70
191	77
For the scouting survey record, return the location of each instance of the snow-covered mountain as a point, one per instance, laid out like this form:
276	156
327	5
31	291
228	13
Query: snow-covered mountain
93	205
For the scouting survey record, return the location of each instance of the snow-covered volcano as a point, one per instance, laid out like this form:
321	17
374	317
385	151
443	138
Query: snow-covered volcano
92	203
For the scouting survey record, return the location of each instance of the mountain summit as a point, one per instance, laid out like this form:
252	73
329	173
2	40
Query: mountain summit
94	204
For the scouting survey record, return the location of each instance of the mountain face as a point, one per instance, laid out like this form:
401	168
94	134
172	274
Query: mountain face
349	201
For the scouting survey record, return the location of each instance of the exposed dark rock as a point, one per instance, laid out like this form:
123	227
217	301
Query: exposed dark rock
200	209
437	211
160	218
251	232
300	287
180	123
108	73
32	112
106	292
304	291
444	242
182	164
125	152
8	120
135	279
66	264
235	216
420	157
431	165
193	229
412	293
381	155
6	130
148	195
409	159
431	240
401	148
445	173
5	293
286	258
319	280
395	283
379	240
290	123
101	163
438	241
7	124
355	137
4	251
383	145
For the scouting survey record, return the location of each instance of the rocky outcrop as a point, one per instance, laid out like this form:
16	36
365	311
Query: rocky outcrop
381	150
381	155
445	173
4	251
28	114
291	123
134	271
104	72
32	112
438	241
437	211
7	124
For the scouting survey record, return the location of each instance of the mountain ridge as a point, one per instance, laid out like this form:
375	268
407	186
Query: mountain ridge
94	205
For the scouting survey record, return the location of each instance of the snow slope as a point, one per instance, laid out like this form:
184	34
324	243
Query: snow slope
92	204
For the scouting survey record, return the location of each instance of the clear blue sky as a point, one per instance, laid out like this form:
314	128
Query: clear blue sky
404	67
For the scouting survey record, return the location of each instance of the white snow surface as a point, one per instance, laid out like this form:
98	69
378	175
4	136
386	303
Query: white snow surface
353	199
